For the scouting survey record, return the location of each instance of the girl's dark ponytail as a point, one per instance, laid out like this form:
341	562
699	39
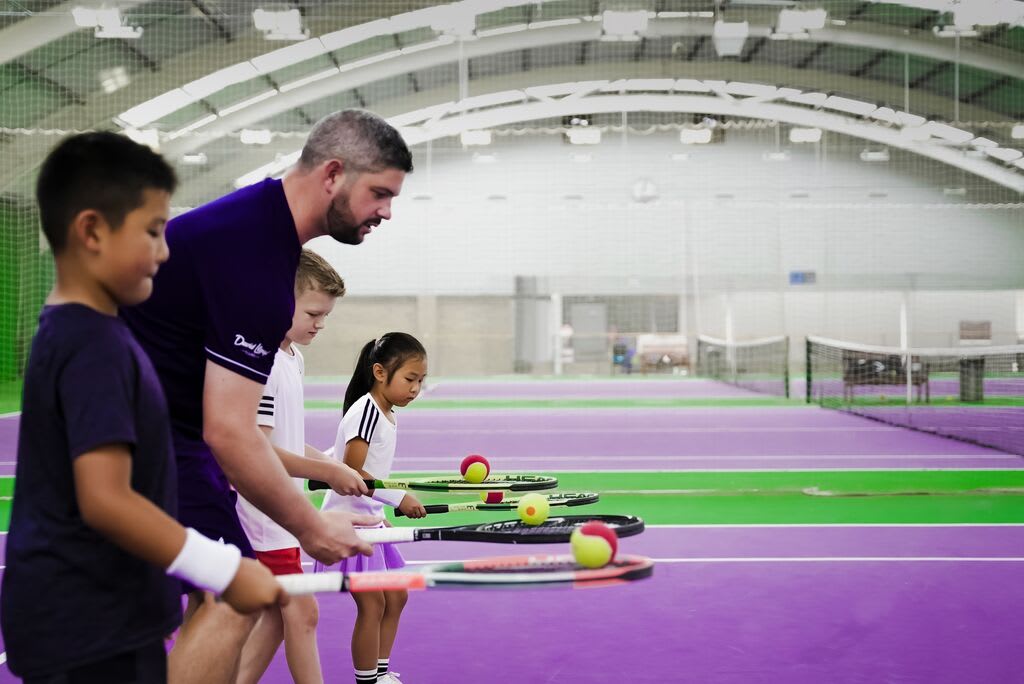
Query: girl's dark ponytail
362	376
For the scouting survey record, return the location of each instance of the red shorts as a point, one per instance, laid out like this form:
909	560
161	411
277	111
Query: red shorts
281	561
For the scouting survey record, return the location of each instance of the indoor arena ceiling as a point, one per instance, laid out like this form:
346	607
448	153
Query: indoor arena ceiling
192	75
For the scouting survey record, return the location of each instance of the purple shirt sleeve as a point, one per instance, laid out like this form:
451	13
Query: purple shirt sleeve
246	319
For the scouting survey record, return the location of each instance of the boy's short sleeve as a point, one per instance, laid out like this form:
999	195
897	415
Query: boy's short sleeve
267	413
96	392
247	317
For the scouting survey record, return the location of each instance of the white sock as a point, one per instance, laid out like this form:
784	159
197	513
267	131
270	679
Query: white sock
366	676
382	666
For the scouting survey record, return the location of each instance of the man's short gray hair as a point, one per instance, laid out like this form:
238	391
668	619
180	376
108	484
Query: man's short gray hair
362	140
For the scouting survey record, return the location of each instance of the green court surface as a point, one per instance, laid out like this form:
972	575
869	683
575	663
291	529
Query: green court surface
762	497
773	497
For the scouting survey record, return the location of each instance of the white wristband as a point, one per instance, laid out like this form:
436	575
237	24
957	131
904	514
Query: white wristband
207	564
391	497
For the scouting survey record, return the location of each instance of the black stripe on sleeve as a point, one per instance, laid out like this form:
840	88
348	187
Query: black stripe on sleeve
362	420
373	425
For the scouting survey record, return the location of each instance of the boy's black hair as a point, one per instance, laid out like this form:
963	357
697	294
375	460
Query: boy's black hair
103	171
390	350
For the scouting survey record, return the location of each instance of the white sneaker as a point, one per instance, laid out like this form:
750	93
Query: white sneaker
389	678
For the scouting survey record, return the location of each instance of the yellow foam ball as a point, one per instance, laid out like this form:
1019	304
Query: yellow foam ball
589	550
533	509
475	473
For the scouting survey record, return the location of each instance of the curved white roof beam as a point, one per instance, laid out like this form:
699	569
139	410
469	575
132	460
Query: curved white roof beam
887	38
492	41
604	97
380	67
46	27
966	13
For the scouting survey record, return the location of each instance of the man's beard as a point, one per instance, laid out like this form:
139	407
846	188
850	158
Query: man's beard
341	222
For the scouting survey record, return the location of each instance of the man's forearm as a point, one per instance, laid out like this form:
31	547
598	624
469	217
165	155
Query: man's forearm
256	471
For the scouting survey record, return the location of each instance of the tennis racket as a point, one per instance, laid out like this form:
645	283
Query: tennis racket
555	530
560	499
503	572
516	483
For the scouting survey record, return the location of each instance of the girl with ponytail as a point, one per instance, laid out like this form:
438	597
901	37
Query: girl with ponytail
389	372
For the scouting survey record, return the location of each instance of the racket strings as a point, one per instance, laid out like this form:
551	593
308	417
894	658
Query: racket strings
550	527
541	565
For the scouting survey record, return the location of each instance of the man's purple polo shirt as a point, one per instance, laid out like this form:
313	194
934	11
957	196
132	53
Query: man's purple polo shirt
226	295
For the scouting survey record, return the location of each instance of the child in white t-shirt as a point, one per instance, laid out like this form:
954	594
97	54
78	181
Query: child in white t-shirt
390	372
281	416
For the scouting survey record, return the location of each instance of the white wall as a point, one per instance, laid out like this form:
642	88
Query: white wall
464	241
725	232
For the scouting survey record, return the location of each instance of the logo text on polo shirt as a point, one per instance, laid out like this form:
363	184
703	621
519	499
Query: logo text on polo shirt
253	349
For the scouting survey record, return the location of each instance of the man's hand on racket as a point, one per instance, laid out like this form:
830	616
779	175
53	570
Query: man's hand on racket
411	507
345	480
335	539
254	588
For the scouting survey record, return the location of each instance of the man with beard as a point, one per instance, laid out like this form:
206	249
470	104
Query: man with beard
220	307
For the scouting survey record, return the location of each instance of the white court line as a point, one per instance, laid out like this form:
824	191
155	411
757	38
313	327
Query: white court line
3	657
727	471
848	559
738	457
712	526
799	559
809	491
670	430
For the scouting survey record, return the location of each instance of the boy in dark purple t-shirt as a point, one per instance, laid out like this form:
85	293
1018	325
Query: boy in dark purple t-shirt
85	596
220	308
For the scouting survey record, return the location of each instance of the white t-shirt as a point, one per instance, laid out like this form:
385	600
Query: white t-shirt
364	420
281	409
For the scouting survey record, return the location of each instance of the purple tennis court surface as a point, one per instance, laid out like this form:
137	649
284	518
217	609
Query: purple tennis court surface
727	604
665	439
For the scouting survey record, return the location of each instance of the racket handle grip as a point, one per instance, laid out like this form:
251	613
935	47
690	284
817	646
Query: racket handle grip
431	508
387	535
312	583
320	484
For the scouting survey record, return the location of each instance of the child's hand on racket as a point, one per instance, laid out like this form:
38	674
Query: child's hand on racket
345	480
335	539
254	588
411	507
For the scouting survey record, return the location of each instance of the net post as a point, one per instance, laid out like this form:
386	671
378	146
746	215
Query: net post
807	371
785	367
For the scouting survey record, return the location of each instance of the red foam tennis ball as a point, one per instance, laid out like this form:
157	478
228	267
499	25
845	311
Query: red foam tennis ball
594	544
492	497
475	468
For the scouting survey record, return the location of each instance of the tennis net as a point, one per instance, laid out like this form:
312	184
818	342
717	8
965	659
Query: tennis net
975	394
758	365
